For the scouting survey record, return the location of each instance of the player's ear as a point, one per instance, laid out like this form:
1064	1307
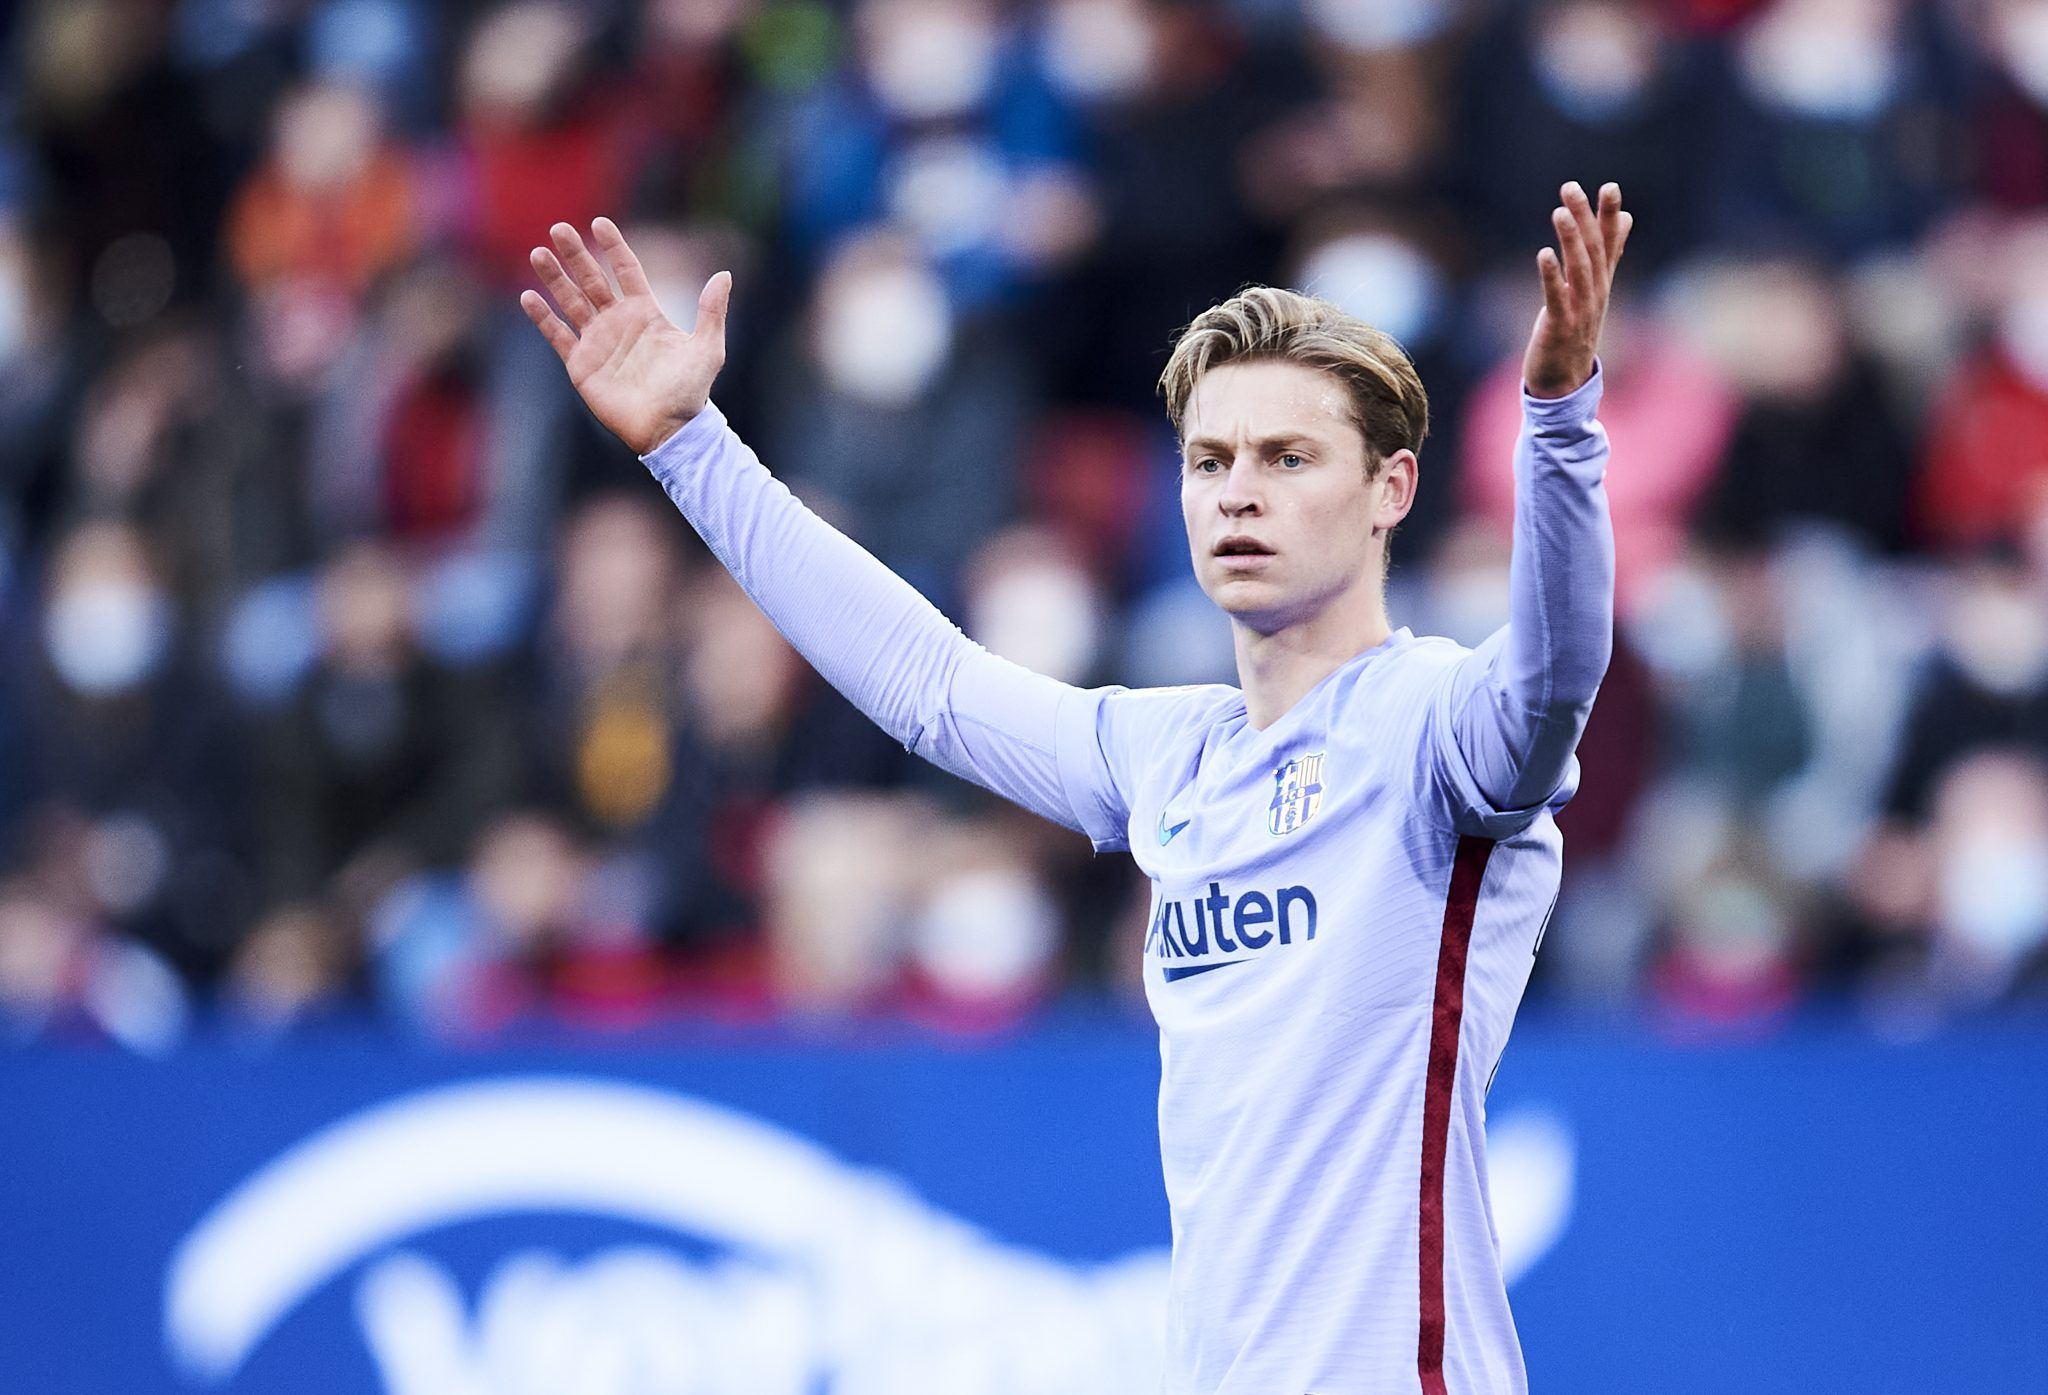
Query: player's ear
1397	478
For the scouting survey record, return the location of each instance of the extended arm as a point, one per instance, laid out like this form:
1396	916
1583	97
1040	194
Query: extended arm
1515	708
867	631
1518	704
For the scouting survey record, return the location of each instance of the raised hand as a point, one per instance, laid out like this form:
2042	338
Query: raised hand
1577	279
639	374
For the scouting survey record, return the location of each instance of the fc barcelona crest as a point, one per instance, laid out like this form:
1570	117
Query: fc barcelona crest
1297	794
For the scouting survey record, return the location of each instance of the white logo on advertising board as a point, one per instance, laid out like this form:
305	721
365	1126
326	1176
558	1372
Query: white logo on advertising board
829	1277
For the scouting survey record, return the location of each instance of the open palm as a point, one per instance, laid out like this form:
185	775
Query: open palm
637	372
1578	279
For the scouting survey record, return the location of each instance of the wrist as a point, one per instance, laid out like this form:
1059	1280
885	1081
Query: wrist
682	439
1548	387
1573	405
658	433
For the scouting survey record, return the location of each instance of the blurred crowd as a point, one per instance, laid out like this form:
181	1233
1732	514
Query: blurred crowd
353	671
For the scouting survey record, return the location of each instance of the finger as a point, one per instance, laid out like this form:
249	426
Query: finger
1623	222
1571	252
619	257
576	306
1581	209
560	337
712	304
578	262
1556	295
1610	222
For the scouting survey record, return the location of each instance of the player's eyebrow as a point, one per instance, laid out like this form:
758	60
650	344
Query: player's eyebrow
1211	445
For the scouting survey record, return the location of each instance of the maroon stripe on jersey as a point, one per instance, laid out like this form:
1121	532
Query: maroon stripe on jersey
1468	869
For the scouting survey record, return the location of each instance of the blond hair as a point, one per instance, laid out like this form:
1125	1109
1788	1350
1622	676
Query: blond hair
1259	323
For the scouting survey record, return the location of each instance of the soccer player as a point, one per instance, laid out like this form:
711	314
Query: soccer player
1352	853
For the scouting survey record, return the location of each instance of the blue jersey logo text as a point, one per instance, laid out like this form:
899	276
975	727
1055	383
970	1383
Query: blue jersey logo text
1238	926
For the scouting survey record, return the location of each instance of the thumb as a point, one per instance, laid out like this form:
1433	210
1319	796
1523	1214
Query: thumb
712	304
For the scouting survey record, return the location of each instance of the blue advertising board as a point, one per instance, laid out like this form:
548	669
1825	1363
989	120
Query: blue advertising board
814	1216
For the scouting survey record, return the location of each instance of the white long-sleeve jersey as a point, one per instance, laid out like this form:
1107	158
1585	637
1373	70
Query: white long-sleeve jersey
1345	908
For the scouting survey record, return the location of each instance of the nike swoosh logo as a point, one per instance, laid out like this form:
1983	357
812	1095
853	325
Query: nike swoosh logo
1167	835
1190	970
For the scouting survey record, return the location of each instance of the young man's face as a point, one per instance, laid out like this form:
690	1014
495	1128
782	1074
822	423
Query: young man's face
1281	519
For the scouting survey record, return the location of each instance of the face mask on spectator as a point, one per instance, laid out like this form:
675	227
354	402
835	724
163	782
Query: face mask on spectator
2023	331
13	313
1595	60
1994	895
1369	26
1040	612
104	637
1098	50
520	58
1384	280
326	137
1999	638
1807	63
883	334
1469	603
927	62
987	933
2023	43
950	194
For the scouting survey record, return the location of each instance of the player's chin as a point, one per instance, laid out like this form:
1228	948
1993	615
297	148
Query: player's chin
1242	571
1244	596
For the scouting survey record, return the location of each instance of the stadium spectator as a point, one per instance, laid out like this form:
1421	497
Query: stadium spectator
126	164
944	128
1818	438
294	970
1381	124
1731	958
1831	132
1669	414
64	978
1956	902
1552	89
1169	93
43	371
1986	470
383	761
132	755
606	673
523	933
758	729
2009	116
332	208
841	876
697	68
903	418
1987	685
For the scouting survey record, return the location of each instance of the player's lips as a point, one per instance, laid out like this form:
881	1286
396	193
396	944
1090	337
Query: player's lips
1239	553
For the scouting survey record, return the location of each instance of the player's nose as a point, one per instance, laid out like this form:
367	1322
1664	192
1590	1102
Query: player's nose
1243	488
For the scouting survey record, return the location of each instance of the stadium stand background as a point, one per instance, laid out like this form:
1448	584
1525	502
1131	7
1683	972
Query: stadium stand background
354	673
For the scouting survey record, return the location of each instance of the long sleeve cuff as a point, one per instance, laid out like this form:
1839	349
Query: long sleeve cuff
1567	413
674	457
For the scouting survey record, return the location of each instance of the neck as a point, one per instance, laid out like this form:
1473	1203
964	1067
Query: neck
1276	669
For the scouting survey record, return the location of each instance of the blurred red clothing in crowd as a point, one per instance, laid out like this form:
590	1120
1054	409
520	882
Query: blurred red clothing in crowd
1669	417
343	237
525	178
1986	472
